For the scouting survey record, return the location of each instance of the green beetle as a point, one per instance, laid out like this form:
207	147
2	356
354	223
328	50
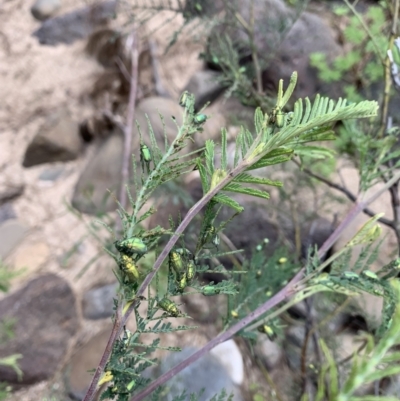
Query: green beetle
183	101
176	262
169	306
211	236
209	290
189	262
264	328
182	282
277	117
128	266
190	270
368	274
131	246
200	119
350	276
145	156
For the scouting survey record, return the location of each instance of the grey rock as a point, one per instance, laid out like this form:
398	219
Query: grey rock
46	318
51	174
293	344
43	9
75	25
57	140
228	353
103	173
207	373
7	212
12	233
11	192
284	42
270	352
98	303
100	178
204	86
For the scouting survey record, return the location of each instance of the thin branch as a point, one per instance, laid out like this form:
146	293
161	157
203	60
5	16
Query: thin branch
346	192
155	63
388	73
106	354
284	293
365	26
395	200
126	158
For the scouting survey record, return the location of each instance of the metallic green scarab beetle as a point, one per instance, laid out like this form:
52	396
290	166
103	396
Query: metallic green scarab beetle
209	290
211	236
182	282
145	154
169	307
128	267
368	274
264	328
350	275
200	119
188	260
176	261
183	101
190	270
131	246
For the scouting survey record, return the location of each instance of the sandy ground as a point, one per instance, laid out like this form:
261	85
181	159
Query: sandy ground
35	80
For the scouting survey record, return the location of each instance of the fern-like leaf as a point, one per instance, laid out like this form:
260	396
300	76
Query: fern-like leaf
227	201
233	187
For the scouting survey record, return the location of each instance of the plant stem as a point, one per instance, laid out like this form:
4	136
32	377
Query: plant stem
365	26
126	158
346	192
106	354
284	293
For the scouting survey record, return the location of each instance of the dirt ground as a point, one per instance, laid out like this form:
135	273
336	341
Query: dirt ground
35	80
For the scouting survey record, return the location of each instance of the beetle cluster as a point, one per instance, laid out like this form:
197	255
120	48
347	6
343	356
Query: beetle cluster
182	262
210	236
131	249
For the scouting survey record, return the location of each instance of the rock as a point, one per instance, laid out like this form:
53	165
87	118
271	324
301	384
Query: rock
46	318
51	174
29	257
57	140
284	42
101	177
315	234
43	9
229	355
270	352
207	373
204	86
98	303
201	308
7	212
294	340
75	25
103	173
11	192
255	222
154	107
87	357
309	34
11	234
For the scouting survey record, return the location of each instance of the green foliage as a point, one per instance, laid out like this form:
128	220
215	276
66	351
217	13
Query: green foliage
373	365
376	158
361	65
6	275
278	136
